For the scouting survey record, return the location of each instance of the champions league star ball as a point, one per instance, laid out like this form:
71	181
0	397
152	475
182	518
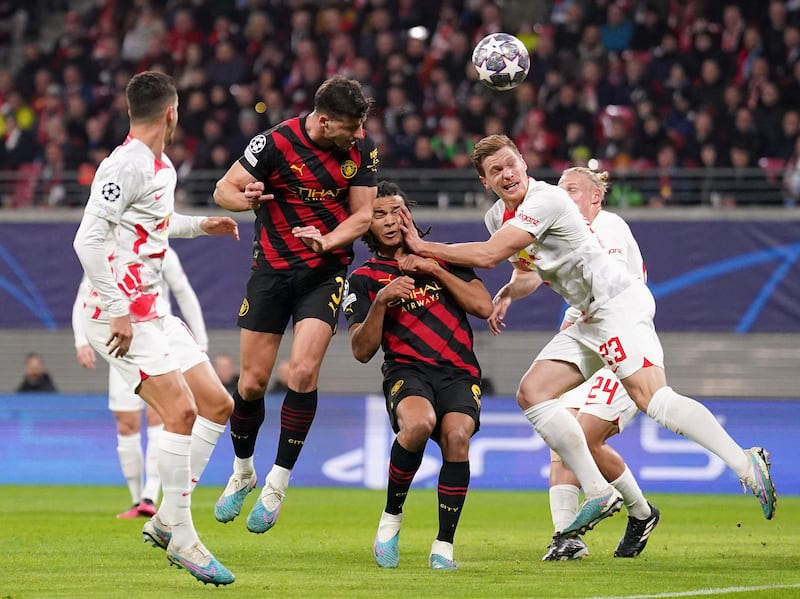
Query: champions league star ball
502	61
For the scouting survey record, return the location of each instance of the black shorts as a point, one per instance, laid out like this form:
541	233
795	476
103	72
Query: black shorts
274	296
448	390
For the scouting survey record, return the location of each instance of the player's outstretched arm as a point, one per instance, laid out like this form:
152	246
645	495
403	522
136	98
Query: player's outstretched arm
476	254
347	231
472	296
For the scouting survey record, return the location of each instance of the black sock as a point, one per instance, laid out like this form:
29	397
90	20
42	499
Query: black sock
452	489
403	465
246	420
297	414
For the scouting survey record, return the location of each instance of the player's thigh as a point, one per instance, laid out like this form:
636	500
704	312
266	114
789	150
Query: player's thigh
547	379
268	302
318	295
406	381
311	340
622	332
170	396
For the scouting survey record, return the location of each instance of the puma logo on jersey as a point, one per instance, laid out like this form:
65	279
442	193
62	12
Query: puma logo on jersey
298	168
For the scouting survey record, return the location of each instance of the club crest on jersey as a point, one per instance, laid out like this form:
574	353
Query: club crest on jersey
396	387
245	308
349	169
111	192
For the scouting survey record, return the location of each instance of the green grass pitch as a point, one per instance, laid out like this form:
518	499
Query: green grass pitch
65	542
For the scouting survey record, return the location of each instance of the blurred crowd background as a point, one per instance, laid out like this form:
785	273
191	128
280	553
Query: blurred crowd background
700	94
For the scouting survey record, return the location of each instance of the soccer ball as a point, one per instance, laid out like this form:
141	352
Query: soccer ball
502	61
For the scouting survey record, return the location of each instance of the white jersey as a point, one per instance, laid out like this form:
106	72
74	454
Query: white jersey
174	281
565	253
136	192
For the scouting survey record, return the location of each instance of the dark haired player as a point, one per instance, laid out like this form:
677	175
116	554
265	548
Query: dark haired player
311	181
416	310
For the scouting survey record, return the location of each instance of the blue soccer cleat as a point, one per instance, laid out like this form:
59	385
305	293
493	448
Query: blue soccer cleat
266	510
230	502
156	533
199	562
440	562
387	555
592	511
759	480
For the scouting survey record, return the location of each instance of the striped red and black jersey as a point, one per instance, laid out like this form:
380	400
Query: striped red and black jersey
428	327
311	187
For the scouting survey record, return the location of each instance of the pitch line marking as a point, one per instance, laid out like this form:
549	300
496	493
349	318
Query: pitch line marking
698	592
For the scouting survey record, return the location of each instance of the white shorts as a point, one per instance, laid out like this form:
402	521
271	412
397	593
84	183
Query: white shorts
159	346
602	396
120	396
620	335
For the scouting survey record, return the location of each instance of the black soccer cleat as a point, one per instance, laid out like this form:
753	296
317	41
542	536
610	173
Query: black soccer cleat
565	548
636	534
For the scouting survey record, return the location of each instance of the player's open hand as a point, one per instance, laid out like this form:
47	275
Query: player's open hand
312	237
85	355
495	321
119	342
220	225
255	196
411	238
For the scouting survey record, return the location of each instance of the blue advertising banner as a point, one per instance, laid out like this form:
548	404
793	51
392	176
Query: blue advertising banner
717	276
71	439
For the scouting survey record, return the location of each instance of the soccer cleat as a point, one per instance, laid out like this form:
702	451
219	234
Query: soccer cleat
200	564
146	508
565	548
156	533
440	562
592	511
387	555
265	512
230	502
760	482
131	512
636	534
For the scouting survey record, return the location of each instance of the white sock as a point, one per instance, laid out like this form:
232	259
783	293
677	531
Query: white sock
635	502
131	461
564	505
174	453
389	526
205	435
443	549
562	433
694	421
278	478
243	465
152	482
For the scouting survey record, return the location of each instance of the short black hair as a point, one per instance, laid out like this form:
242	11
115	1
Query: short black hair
388	189
340	97
149	93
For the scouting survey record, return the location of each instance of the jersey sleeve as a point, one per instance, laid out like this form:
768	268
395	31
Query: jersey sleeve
367	175
77	312
113	190
356	301
257	158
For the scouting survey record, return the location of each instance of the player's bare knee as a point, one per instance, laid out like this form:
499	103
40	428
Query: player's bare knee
252	386
455	444
303	376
